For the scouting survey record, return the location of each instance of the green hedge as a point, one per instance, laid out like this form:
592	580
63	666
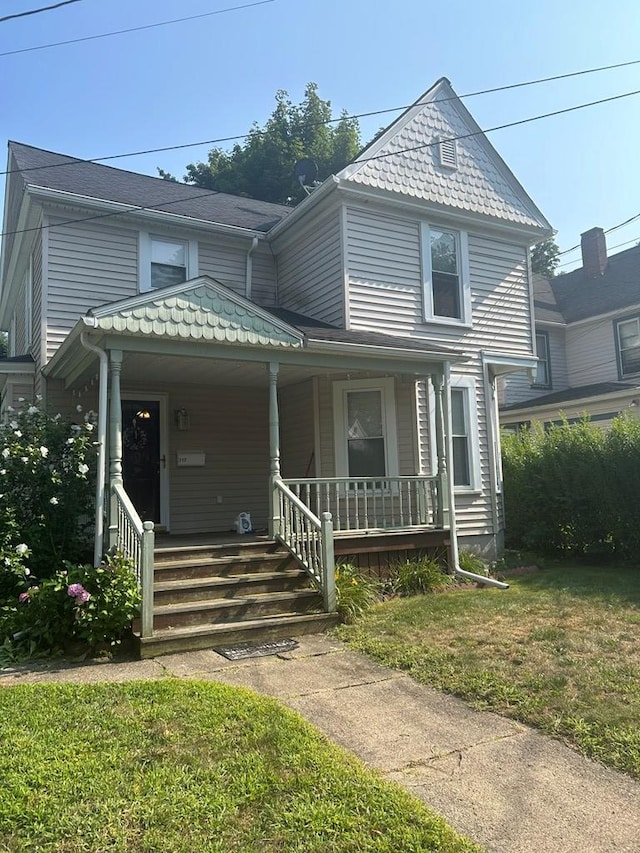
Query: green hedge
574	489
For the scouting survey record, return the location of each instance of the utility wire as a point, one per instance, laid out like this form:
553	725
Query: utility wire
134	29
348	117
608	231
37	11
412	148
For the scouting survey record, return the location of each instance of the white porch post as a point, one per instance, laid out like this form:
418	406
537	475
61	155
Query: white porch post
437	380
274	448
115	437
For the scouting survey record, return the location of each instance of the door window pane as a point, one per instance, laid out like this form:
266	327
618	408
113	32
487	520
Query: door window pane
365	434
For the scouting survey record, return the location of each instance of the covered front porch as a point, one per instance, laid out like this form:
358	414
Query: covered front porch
316	432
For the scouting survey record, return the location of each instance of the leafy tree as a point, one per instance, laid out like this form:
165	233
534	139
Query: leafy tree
262	167
545	258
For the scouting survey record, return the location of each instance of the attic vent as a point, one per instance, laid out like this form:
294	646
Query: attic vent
448	153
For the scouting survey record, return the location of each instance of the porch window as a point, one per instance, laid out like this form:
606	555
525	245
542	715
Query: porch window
464	434
628	341
365	433
165	262
543	369
447	296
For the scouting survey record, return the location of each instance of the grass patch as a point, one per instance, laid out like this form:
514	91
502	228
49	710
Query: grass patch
558	650
190	766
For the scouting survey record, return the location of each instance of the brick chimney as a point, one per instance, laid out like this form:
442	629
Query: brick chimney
594	252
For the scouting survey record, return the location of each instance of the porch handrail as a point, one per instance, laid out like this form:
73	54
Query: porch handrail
135	539
308	538
369	503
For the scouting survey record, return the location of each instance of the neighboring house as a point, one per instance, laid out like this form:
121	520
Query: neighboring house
340	357
587	342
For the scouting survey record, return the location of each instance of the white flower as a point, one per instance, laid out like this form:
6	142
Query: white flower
32	410
26	572
88	427
39	397
54	501
44	451
3	470
6	453
21	399
78	408
24	459
22	549
70	441
13	424
18	434
10	409
7	561
83	469
2	495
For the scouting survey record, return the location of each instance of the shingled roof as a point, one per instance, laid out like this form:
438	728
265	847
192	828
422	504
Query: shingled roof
40	168
579	296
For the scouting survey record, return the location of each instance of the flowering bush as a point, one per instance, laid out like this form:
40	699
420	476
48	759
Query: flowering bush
46	490
77	604
355	592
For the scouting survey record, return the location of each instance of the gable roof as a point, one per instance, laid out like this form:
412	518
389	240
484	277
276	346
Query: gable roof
570	395
579	297
40	168
544	301
405	159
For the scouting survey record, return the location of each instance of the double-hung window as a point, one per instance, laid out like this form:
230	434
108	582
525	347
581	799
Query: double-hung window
628	341
447	297
465	465
365	428
165	261
542	378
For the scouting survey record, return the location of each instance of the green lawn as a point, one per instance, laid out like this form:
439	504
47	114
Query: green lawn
189	767
559	650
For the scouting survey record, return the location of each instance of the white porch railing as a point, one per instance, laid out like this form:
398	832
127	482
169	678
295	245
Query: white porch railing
308	538
371	503
135	539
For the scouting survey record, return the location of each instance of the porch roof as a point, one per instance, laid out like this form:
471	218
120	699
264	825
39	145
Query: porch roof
203	317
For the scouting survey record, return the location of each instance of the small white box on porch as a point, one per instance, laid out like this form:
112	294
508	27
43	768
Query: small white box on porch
190	459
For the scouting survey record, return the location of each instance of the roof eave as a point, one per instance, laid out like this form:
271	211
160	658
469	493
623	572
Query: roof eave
408	354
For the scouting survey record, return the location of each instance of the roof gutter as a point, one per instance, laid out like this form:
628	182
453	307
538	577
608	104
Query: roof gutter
318	345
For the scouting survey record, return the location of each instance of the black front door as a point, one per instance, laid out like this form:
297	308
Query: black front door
141	456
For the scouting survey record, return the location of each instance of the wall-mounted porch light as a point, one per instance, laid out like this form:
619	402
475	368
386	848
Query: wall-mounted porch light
183	421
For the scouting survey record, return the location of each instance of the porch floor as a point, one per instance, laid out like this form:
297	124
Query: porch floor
197	540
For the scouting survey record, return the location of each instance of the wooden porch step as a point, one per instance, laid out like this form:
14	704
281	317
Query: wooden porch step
184	589
193	637
222	566
165	553
245	607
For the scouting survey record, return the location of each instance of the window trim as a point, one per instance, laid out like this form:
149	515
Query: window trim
144	258
547	360
468	385
462	250
616	325
28	306
386	386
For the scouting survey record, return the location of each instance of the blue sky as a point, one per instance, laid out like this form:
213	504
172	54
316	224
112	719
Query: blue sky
214	76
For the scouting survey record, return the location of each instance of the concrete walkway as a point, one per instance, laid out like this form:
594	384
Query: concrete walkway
501	783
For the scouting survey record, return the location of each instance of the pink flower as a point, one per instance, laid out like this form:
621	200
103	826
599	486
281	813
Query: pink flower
77	591
23	597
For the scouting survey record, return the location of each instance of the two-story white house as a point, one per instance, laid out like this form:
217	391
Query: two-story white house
329	369
587	341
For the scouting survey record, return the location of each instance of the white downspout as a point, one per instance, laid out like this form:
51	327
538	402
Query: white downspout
102	442
249	270
452	504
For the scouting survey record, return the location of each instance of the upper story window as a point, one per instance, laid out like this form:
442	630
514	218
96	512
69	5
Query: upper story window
542	378
447	296
628	341
165	262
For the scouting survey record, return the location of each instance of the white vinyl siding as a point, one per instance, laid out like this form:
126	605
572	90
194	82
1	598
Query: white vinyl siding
90	264
515	387
591	353
310	272
231	427
226	261
297	454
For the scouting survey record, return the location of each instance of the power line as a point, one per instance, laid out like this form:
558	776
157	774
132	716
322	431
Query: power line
348	117
609	248
134	29
608	231
415	147
37	11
